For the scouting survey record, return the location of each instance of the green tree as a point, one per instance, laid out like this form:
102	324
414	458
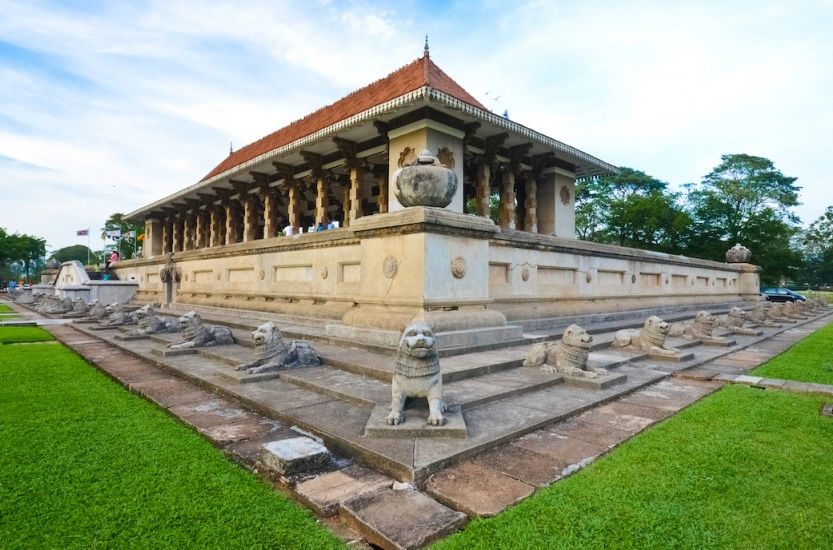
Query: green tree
130	230
494	206
78	252
818	250
745	199
631	209
21	249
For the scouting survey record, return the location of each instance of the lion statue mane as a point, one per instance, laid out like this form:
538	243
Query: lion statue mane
650	338
196	334
273	353
698	329
417	374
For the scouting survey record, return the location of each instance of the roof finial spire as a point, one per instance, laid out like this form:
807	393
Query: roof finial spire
425	50
230	147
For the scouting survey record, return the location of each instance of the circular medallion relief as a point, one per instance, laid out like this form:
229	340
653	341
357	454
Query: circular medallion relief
142	278
262	274
565	195
459	267
666	280
588	277
389	267
324	272
633	278
525	274
186	277
219	275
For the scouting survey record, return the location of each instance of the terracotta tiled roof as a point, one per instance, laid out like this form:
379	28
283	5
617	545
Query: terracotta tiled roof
415	75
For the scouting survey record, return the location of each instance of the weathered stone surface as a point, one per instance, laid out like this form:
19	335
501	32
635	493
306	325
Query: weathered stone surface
476	490
326	492
827	409
650	338
295	455
196	334
738	254
567	357
569	449
404	519
414	424
523	464
236	431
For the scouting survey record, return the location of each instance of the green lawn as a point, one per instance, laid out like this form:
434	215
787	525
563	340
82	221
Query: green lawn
84	463
18	335
809	360
744	468
5	309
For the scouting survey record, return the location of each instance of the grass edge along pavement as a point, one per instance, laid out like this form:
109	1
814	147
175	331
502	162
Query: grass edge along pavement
808	360
23	335
4	308
84	462
741	468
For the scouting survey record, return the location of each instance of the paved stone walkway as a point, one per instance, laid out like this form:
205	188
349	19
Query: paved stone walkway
360	504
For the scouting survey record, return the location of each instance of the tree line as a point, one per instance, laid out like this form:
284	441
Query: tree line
745	199
20	255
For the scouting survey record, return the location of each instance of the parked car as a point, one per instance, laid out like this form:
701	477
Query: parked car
781	295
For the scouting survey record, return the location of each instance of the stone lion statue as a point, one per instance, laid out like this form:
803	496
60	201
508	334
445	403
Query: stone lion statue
650	338
118	316
151	323
55	305
699	329
196	334
273	353
97	311
417	374
734	321
775	312
792	310
758	316
79	309
567	357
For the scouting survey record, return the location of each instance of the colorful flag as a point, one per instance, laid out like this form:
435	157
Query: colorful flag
114	234
141	237
82	233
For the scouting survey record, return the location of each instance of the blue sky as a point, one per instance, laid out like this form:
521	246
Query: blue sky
107	106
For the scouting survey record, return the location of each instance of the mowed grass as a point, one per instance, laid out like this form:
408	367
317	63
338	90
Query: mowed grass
743	468
22	335
84	463
810	360
5	309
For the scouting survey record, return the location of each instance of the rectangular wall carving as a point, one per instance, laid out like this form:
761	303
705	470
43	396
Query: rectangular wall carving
203	276
702	282
292	273
649	280
556	276
721	282
679	281
349	272
241	275
498	274
611	278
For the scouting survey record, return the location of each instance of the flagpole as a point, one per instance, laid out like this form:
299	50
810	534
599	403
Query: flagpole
88	246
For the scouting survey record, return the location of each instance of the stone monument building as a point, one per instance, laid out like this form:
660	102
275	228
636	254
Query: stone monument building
221	242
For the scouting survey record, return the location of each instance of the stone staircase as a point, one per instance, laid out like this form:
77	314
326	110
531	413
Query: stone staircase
491	397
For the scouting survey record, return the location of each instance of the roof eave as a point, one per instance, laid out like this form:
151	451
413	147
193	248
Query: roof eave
588	164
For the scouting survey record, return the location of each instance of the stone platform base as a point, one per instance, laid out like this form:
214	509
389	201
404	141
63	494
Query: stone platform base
445	340
415	424
601	383
242	377
163	352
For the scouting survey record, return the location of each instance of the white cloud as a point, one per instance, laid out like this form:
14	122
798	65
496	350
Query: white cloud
108	108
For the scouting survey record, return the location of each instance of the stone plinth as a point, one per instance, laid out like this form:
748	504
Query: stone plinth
295	455
415	424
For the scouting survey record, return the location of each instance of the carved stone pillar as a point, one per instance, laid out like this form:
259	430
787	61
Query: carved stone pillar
483	189
250	221
531	203
355	207
294	205
214	227
167	236
507	199
199	230
232	222
270	213
176	241
383	191
153	238
322	200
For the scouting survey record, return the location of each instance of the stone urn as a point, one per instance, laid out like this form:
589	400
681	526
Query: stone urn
425	182
738	254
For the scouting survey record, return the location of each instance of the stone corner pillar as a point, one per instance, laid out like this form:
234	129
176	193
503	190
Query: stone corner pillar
556	203
153	238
